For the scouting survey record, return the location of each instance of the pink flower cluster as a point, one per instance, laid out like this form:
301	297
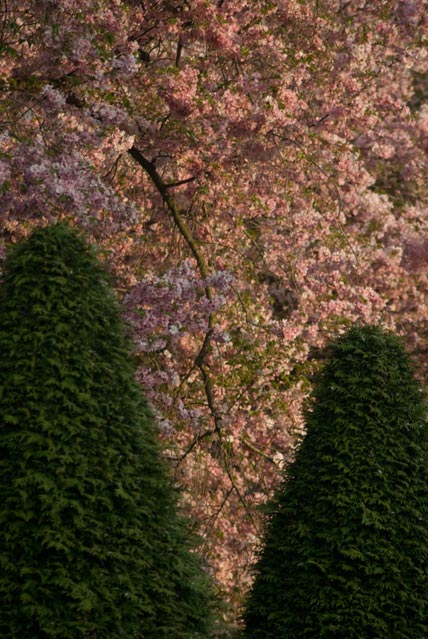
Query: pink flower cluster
282	196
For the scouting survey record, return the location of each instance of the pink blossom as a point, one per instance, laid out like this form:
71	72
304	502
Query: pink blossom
54	98
282	197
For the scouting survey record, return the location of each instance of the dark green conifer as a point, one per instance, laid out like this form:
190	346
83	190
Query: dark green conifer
346	546
91	542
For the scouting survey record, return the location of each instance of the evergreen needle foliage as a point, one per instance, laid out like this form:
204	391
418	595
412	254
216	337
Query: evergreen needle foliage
91	542
346	547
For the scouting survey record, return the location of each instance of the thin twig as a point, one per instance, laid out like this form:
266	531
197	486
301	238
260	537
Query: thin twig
251	446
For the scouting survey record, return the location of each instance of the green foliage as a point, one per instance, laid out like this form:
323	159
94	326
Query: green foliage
346	547
91	540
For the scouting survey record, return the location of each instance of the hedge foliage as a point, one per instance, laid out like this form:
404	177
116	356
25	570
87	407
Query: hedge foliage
91	540
346	545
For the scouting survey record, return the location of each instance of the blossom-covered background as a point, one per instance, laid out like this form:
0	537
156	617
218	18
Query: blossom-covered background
255	174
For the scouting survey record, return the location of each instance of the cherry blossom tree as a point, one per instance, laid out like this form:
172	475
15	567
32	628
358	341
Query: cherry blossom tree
256	175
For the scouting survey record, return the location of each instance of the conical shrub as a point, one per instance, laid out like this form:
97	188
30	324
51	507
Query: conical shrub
346	546
91	541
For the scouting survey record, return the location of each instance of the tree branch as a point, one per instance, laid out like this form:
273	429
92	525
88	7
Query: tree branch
171	185
257	450
179	221
176	215
195	442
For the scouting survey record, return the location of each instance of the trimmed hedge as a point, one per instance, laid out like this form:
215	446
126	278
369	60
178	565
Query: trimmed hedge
346	546
91	542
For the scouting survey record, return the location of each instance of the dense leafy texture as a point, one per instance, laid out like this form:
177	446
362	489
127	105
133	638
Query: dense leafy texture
257	171
346	549
91	544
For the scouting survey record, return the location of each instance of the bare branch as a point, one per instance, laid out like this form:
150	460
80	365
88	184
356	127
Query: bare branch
171	185
213	518
257	450
179	50
176	215
195	442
